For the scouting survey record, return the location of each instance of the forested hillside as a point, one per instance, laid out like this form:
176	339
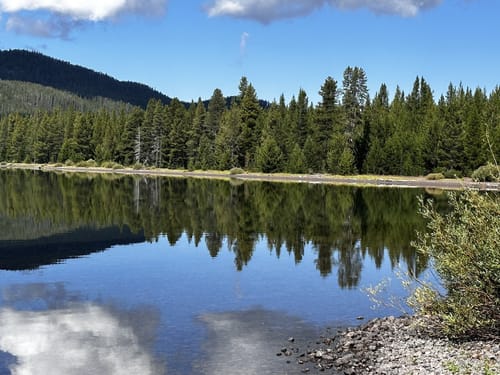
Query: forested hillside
345	133
27	97
27	66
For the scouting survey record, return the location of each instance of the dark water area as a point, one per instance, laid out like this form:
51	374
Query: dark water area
108	274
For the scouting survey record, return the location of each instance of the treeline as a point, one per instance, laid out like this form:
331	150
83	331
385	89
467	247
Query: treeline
343	225
28	66
345	133
26	97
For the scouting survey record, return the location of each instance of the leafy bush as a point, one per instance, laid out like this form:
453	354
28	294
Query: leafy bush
236	171
117	166
435	176
108	164
138	166
452	173
487	173
69	163
465	247
87	164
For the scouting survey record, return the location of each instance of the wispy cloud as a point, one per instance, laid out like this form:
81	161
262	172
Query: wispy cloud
243	43
57	18
266	11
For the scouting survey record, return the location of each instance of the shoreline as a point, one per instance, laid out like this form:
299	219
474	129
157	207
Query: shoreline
392	346
358	180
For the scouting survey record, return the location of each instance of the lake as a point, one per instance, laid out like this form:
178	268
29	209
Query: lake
107	274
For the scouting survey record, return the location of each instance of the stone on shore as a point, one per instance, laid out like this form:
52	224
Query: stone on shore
390	346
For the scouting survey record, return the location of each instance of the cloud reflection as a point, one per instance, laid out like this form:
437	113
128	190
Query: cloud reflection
82	338
246	342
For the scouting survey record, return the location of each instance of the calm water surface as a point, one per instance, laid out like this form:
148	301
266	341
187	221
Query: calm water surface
128	275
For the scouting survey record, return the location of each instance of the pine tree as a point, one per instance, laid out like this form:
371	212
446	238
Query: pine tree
175	153
195	133
296	162
130	146
355	96
328	119
475	145
269	157
227	141
250	132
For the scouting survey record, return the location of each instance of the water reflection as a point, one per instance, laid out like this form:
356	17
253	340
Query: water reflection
246	342
344	225
57	334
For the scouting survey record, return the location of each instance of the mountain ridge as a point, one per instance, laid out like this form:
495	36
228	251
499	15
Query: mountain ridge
35	67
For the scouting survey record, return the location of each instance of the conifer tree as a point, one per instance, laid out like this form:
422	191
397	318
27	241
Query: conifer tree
269	157
227	141
250	132
296	162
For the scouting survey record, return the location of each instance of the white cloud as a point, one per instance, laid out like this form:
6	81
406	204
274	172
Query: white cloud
266	11
92	10
71	341
57	18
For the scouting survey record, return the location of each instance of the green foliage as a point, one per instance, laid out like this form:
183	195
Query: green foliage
464	245
87	164
296	162
343	134
434	176
108	164
452	173
487	173
236	170
269	156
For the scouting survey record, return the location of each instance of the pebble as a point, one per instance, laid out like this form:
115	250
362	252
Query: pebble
393	346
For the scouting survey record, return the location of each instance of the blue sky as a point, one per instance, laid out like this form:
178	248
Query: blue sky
187	48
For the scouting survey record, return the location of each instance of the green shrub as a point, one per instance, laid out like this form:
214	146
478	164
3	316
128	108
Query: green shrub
57	165
465	247
87	164
236	171
138	166
69	163
452	173
107	164
487	173
117	166
435	176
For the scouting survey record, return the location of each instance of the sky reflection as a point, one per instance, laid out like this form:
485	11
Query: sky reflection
80	338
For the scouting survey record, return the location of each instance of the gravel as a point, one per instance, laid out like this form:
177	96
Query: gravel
390	345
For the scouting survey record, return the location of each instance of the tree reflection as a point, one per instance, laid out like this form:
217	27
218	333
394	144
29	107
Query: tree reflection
343	225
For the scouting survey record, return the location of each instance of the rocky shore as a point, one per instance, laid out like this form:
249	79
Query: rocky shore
393	346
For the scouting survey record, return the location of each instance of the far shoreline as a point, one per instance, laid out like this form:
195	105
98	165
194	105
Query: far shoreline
356	180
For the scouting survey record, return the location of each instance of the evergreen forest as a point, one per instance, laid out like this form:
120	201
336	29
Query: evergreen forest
346	132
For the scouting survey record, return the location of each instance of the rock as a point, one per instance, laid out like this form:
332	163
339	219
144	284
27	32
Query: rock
398	346
319	354
291	339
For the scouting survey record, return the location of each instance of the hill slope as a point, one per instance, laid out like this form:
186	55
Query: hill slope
21	65
27	97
